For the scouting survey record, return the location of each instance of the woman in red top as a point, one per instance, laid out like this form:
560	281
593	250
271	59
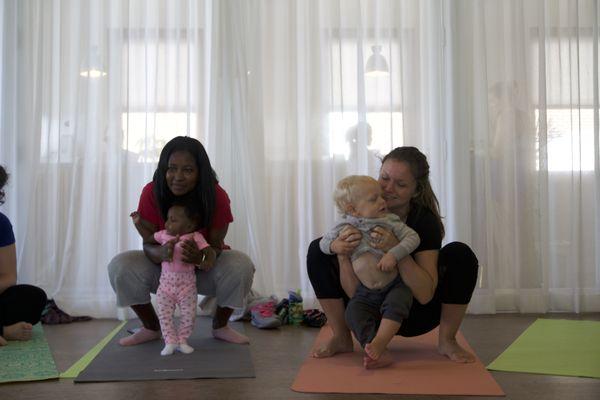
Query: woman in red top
183	174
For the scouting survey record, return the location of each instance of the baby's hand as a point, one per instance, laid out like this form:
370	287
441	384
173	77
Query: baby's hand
387	263
135	216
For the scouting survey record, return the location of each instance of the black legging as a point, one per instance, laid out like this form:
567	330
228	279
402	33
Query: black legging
457	276
21	303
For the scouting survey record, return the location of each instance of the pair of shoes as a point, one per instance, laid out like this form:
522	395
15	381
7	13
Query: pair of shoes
295	297
282	311
264	317
314	318
52	315
295	311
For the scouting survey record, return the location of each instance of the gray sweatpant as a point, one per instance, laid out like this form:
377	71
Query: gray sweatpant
368	306
133	277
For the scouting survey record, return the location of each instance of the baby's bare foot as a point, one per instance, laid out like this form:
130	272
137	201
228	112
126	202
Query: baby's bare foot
18	331
142	336
229	335
384	360
374	350
335	345
451	349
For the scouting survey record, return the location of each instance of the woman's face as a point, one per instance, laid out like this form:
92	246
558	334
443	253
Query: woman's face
182	173
397	184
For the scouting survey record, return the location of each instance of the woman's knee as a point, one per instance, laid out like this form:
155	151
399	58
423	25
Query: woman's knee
239	266
314	255
458	254
459	270
125	266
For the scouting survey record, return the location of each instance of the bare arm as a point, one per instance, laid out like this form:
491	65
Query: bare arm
420	274
8	267
145	228
153	250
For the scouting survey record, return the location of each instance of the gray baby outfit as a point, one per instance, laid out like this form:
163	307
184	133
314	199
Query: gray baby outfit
368	306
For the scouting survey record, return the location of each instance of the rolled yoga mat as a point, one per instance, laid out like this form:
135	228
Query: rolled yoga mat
418	369
211	358
27	361
554	347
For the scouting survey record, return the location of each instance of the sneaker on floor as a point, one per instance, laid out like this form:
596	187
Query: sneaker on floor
52	315
282	311
295	296
264	317
314	318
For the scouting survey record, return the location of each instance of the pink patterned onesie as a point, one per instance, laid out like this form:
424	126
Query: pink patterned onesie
177	286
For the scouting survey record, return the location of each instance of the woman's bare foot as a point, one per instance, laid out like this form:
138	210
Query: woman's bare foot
384	360
230	335
141	336
18	331
451	349
337	344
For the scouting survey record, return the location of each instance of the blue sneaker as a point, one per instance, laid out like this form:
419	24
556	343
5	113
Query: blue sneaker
263	316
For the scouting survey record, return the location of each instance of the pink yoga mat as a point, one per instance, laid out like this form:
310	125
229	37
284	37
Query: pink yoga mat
418	369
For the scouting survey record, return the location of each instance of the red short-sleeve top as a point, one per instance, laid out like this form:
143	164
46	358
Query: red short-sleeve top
148	209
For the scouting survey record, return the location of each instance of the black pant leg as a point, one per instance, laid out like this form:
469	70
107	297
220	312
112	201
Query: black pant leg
458	267
21	303
457	276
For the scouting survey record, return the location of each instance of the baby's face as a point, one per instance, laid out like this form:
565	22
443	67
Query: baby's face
368	202
177	222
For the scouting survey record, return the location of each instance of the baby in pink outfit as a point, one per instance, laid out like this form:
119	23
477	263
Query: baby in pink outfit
177	278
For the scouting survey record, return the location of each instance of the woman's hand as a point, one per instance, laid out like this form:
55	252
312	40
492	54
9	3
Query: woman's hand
209	256
382	239
191	254
346	241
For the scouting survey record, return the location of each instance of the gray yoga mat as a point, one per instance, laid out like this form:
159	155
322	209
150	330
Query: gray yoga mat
211	358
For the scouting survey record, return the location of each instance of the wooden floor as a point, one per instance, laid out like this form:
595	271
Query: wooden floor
277	356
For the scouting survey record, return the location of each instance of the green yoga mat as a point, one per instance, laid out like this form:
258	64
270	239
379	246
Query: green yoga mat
554	347
84	361
27	361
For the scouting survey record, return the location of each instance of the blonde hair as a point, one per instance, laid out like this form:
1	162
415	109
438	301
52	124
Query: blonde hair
346	190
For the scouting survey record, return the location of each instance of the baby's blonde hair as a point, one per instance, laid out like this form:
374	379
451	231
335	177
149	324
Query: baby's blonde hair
345	190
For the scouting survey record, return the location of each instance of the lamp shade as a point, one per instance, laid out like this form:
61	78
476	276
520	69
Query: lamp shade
94	67
377	64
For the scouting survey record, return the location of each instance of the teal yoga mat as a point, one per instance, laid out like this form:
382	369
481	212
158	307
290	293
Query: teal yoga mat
27	361
554	347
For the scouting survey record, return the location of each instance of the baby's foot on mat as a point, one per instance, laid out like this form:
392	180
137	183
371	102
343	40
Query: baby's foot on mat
168	349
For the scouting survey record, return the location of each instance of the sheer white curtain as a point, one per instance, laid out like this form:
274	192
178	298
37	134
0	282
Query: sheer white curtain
526	151
295	113
501	96
80	145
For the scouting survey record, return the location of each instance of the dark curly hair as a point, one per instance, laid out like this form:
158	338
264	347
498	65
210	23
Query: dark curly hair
3	180
202	198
